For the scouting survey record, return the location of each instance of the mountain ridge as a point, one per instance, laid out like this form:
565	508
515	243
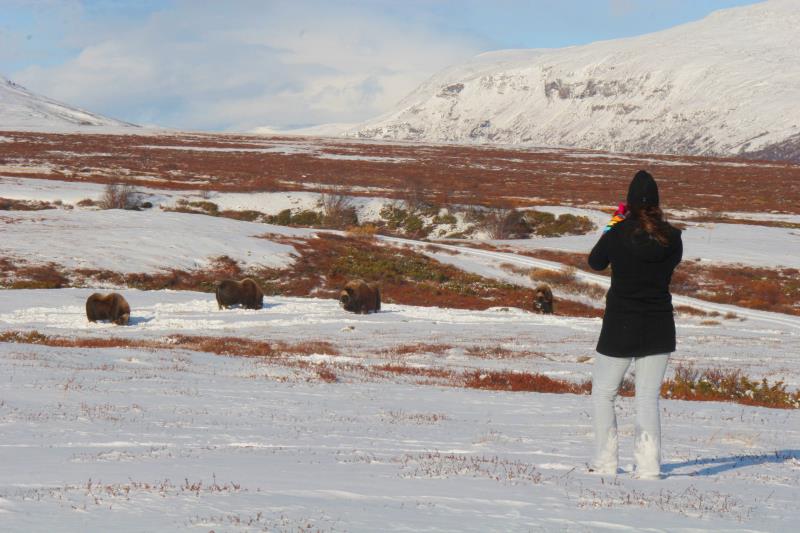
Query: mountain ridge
21	108
723	85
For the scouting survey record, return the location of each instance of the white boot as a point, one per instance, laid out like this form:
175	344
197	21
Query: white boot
605	457
647	453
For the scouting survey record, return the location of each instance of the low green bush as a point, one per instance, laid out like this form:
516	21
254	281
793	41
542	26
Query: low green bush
447	218
548	225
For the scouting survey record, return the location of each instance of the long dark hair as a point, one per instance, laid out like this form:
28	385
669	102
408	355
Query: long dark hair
651	221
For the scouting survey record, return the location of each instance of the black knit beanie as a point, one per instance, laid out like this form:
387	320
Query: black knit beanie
643	191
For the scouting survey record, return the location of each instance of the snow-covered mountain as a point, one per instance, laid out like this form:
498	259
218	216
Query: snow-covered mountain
20	108
727	84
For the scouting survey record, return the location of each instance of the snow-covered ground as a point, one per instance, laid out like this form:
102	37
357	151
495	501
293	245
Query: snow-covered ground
368	208
171	440
70	192
152	240
750	245
557	345
137	241
772	217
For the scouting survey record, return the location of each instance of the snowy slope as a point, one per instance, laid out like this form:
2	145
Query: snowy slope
751	245
722	85
333	129
20	108
132	241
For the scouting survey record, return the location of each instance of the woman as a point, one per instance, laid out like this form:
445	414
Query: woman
638	325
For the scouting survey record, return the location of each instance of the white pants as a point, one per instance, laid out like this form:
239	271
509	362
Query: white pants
607	376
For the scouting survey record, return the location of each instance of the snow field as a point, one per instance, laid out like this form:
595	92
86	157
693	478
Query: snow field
561	347
758	246
138	241
754	245
174	440
70	192
270	203
135	440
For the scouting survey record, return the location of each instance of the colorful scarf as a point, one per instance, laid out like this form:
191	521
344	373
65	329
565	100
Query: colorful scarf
619	216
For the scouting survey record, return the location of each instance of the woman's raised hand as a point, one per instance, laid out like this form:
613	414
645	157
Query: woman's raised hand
619	216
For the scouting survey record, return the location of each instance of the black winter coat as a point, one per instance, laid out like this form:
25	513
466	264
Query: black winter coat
638	320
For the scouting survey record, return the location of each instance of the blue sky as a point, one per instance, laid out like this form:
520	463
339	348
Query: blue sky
240	64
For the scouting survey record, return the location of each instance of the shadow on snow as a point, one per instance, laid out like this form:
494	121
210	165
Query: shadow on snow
717	465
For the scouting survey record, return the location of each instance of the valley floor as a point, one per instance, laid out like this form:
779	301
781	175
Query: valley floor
301	417
173	440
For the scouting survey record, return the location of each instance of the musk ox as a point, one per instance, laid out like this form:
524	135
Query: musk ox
110	306
361	297
543	299
247	293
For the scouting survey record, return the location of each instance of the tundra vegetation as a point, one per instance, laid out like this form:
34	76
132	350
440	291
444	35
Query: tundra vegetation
426	222
438	175
484	367
687	382
120	196
766	289
324	264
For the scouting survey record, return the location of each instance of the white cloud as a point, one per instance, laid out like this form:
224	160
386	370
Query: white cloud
240	65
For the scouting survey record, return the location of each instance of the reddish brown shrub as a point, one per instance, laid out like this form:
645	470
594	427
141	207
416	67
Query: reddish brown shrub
564	276
34	337
7	265
689	310
520	381
9	204
366	232
413	371
308	348
446	174
223	345
769	289
233	346
418	348
326	374
48	276
327	262
489	352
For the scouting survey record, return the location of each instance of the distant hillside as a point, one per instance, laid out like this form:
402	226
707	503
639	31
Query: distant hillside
724	85
20	108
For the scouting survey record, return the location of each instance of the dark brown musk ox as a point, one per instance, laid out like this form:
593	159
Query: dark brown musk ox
246	293
543	299
112	306
361	297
